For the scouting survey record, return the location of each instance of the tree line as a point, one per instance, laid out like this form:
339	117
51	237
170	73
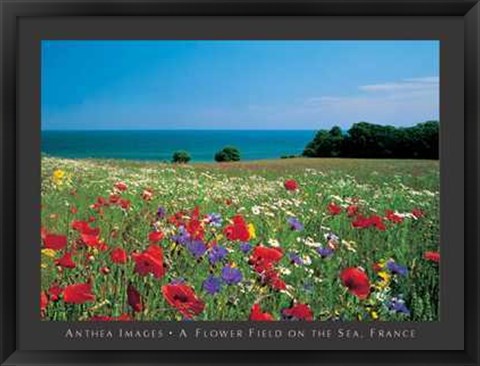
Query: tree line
368	140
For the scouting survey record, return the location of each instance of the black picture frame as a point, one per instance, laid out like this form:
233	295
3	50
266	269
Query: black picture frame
13	11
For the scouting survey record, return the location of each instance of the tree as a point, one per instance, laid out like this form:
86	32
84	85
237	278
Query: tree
181	157
368	140
326	144
228	153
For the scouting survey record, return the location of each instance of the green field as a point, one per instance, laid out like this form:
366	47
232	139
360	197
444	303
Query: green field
377	216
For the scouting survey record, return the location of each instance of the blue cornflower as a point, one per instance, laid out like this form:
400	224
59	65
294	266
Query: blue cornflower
197	248
212	285
325	252
398	305
245	247
217	253
161	212
295	258
396	268
295	224
214	219
182	238
231	275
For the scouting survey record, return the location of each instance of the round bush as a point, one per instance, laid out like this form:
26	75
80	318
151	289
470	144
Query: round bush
229	153
181	157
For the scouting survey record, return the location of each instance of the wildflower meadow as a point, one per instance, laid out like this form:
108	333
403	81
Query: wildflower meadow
296	239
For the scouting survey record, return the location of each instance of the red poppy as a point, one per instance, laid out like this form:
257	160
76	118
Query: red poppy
90	240
356	280
352	210
54	241
183	298
256	314
94	241
177	218
66	261
118	256
418	213
298	312
393	217
100	202
432	256
363	222
262	257
78	293
155	236
134	299
377	222
334	209
125	204
105	270
290	185
238	230
83	227
121	186
150	261
272	278
113	199
54	292
43	302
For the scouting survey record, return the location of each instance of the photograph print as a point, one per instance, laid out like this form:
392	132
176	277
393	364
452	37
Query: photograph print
240	181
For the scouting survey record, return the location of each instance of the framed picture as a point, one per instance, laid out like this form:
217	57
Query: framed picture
223	182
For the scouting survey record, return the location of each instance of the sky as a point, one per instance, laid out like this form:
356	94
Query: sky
118	85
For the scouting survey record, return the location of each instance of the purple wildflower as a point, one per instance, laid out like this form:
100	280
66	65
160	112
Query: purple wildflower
295	258
295	224
214	219
231	276
212	285
325	252
197	248
245	247
217	253
396	268
161	212
182	238
398	305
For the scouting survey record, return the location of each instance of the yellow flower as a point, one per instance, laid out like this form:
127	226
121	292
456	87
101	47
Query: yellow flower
58	176
48	252
374	315
251	231
385	278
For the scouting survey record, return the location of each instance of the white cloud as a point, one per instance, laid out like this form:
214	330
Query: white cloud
425	83
398	102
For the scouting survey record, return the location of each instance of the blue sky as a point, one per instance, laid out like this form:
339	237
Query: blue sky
237	84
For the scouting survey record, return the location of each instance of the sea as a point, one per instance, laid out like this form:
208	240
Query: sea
159	145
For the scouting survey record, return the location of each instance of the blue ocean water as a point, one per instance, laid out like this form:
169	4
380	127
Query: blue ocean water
160	144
